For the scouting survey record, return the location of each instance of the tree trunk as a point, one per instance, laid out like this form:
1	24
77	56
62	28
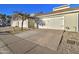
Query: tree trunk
22	25
37	26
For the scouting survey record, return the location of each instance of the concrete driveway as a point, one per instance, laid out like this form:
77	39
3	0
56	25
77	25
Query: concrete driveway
10	44
39	41
46	38
32	42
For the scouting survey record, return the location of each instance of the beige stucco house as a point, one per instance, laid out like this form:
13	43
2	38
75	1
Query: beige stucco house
62	18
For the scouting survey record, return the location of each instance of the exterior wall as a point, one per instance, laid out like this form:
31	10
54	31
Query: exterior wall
18	23
31	23
25	24
71	22
14	23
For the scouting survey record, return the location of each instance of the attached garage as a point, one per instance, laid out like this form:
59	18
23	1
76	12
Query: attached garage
53	23
62	18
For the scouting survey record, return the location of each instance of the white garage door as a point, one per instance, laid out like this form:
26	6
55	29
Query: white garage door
53	23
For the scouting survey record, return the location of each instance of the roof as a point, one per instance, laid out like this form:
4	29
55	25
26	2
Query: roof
60	11
61	7
64	10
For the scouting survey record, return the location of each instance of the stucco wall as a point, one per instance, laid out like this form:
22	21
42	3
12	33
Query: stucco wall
14	23
18	23
70	22
25	23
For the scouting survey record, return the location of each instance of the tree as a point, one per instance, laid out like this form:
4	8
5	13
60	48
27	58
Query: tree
24	17
37	21
3	19
8	20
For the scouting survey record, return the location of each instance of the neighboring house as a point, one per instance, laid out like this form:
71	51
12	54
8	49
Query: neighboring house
62	18
16	21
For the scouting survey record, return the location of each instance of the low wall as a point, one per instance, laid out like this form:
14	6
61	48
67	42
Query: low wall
69	43
3	29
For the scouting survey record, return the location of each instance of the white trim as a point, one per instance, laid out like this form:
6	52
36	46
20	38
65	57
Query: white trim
60	8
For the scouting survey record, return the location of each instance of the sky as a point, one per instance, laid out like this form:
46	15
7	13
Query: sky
30	8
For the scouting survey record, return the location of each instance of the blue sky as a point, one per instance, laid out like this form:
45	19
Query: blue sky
29	8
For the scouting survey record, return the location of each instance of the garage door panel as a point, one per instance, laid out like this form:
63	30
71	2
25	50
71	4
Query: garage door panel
55	23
